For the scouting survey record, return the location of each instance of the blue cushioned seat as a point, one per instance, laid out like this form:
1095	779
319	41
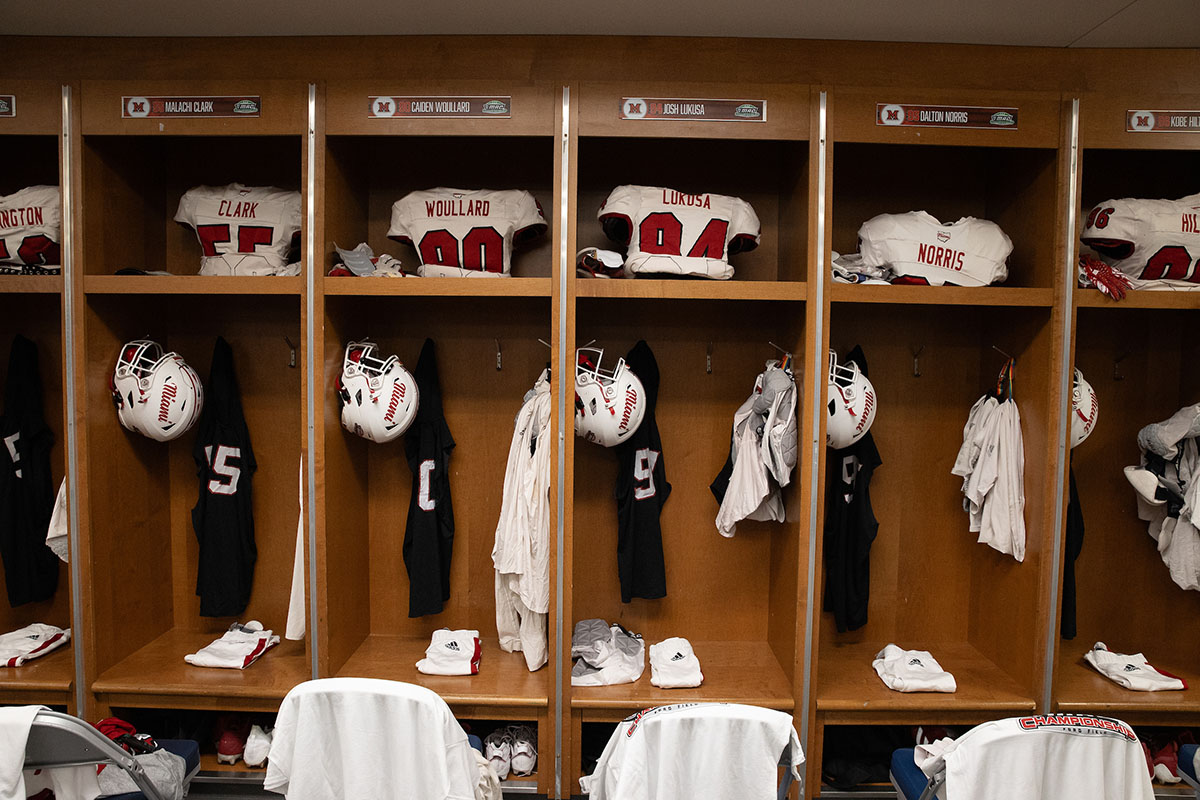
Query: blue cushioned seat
1187	763
907	775
186	749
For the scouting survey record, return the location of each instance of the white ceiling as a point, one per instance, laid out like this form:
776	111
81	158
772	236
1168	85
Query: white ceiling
1051	23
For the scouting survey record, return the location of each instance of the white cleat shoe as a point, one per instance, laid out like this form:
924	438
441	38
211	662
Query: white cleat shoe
498	749
258	744
524	749
1145	483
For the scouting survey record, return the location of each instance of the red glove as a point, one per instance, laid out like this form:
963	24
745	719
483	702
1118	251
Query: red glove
1104	277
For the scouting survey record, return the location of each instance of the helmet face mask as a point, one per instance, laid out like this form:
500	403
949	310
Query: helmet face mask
1085	409
609	404
156	394
360	359
379	396
851	404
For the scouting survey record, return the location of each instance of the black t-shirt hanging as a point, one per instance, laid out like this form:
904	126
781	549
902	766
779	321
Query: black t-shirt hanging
1074	548
850	525
429	532
642	490
26	487
223	517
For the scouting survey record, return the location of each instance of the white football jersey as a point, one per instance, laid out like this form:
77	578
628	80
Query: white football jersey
1154	243
466	233
675	233
922	250
30	221
1064	756
243	230
717	751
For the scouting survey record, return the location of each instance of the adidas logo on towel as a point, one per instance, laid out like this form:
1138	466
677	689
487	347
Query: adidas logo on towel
452	646
678	657
1132	668
915	662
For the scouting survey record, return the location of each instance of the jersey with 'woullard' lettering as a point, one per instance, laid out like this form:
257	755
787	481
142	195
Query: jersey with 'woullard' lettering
922	250
243	230
30	222
671	232
1154	243
466	233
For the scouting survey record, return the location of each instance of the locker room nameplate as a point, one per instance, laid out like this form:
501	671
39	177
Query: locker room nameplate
439	107
8	105
141	107
1162	121
680	109
972	117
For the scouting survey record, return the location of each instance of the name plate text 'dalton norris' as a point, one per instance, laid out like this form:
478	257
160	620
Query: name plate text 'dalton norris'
923	116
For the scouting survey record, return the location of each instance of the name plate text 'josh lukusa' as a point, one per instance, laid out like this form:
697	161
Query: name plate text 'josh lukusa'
678	109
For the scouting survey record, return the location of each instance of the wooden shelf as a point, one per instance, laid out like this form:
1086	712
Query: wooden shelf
50	678
213	771
734	672
1081	688
848	685
433	287
156	676
942	295
31	284
699	289
1094	298
191	284
503	678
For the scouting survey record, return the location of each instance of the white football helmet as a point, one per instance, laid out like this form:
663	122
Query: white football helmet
1085	409
379	396
156	394
852	404
609	405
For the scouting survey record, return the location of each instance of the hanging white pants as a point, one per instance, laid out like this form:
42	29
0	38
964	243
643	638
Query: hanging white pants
521	630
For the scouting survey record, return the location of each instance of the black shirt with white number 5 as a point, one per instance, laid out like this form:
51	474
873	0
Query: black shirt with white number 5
223	517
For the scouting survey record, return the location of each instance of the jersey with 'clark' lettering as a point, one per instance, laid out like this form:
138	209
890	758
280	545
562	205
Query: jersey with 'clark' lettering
674	233
1154	243
466	233
922	250
30	221
243	230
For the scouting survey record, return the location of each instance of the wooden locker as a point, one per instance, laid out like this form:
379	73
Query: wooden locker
32	306
140	579
486	334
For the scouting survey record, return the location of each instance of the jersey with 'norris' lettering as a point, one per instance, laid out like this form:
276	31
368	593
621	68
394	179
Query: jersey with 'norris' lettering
243	230
223	517
429	530
675	233
1154	243
642	491
30	222
461	233
921	250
